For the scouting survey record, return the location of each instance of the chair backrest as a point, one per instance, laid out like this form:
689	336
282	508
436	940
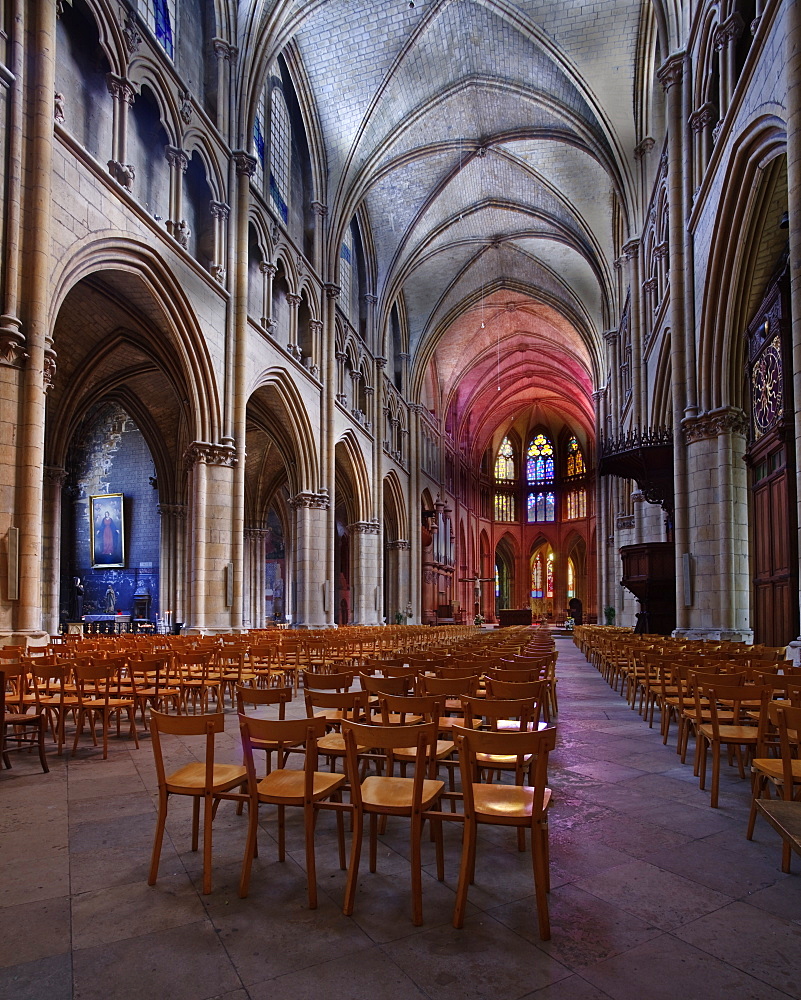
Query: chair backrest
518	674
422	737
387	685
186	725
497	688
351	704
494	710
246	695
787	720
449	686
327	682
430	707
718	695
522	746
97	677
283	733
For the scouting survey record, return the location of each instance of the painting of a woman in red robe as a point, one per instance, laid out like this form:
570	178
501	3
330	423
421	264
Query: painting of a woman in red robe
107	530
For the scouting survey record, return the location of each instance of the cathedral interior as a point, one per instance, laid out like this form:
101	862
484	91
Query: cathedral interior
400	312
318	313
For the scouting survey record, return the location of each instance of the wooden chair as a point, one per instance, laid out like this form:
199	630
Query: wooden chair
308	789
386	795
334	707
261	697
722	697
97	688
519	805
52	698
201	780
19	728
782	773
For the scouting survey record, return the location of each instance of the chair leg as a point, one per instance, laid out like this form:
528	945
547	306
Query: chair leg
353	868
538	858
417	870
41	736
195	821
250	847
465	870
715	774
157	840
207	818
373	841
311	867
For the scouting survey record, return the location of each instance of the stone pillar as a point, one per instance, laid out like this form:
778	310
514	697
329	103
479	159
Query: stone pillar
269	272
226	57
671	76
631	252
399	594
612	343
211	488
254	596
54	479
718	495
236	362
792	69
365	593
726	38
176	225
320	215
313	586
599	397
12	352
122	97
39	371
292	343
327	445
219	212
172	563
413	503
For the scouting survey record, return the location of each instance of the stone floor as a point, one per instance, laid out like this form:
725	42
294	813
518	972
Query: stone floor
654	894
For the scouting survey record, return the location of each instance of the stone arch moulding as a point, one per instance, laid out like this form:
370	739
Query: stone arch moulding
112	253
348	446
299	439
394	490
722	321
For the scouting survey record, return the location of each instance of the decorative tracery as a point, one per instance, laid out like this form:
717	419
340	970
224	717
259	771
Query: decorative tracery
575	458
505	461
539	460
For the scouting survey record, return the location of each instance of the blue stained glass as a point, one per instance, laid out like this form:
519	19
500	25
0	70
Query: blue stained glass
278	201
258	139
163	26
550	506
345	253
548	468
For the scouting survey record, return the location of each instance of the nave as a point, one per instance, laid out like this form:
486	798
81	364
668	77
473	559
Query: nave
653	895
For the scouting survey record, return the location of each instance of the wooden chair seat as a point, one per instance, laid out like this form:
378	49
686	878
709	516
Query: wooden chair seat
395	796
506	803
191	778
288	786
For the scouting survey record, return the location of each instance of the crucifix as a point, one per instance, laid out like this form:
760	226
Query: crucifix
476	581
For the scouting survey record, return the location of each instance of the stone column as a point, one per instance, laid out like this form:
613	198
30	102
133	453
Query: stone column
54	479
122	97
671	76
12	352
313	586
172	565
365	593
34	308
244	167
413	503
718	491
599	397
612	343
219	212
211	486
176	226
320	215
292	344
269	272
726	38
631	252
327	445
226	57
792	69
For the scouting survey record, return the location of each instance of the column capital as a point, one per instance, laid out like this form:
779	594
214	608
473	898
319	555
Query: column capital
401	544
177	510
671	71
332	291
120	88
723	420
266	267
224	50
705	115
219	210
245	163
309	500
176	157
365	528
210	454
643	148
54	474
293	299
631	249
319	209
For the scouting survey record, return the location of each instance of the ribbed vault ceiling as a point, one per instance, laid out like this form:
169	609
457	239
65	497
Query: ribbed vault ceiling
485	141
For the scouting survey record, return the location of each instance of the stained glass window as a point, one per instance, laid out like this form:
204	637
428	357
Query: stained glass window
539	460
259	141
541	507
576	504
346	271
280	152
536	576
504	507
505	462
160	18
571	579
575	459
549	577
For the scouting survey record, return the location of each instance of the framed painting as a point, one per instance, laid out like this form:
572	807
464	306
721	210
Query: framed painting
107	531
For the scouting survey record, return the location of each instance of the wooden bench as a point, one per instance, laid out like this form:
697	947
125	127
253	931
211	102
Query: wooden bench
785	818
